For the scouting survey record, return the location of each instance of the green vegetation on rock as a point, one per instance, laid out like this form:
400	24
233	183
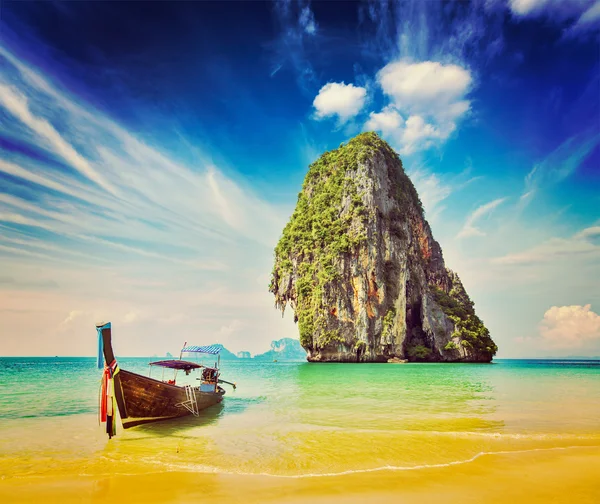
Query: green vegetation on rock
418	352
329	337
388	322
451	346
468	327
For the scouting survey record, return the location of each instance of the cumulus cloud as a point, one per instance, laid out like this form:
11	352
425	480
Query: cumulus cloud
339	99
470	229
570	326
431	48
427	100
424	86
388	121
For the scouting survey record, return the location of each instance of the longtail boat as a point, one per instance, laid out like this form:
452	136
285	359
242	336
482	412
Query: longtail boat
143	399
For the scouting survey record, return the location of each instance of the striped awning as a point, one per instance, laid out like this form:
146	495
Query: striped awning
210	349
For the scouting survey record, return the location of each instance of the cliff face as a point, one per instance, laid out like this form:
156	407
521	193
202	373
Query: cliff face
358	265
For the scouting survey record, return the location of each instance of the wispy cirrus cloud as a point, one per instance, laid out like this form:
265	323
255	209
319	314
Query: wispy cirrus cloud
432	190
470	227
87	206
559	164
584	243
298	31
16	103
578	15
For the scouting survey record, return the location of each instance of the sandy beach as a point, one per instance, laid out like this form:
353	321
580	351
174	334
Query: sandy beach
548	475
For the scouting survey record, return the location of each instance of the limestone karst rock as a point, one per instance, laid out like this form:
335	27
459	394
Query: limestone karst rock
359	266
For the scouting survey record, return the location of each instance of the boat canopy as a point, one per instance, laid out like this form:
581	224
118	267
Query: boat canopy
210	349
176	364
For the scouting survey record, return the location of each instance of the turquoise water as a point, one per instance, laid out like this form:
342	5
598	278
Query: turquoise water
294	418
61	386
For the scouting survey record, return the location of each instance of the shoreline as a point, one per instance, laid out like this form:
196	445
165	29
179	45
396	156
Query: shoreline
564	474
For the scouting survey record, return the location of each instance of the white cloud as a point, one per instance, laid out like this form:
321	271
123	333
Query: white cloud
580	244
525	7
418	132
470	229
339	99
585	13
425	86
407	136
570	326
429	95
388	121
591	232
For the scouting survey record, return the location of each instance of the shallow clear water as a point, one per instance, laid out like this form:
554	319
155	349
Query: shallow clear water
296	418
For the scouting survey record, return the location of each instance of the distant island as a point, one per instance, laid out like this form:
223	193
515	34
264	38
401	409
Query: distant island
283	349
226	354
358	264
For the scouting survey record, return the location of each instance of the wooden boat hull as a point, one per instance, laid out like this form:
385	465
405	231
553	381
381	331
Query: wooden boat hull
141	399
149	400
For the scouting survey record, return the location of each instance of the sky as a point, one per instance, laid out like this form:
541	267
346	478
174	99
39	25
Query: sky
151	154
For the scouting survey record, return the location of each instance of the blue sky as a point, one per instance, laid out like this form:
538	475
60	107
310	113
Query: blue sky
151	153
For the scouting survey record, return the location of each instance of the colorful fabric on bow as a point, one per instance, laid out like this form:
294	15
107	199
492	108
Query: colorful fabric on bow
108	403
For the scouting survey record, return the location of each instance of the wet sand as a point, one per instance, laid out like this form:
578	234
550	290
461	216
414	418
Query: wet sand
568	475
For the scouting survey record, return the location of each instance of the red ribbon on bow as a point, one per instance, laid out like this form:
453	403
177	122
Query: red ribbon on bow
107	398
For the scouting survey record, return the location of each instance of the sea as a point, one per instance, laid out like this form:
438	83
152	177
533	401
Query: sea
300	419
